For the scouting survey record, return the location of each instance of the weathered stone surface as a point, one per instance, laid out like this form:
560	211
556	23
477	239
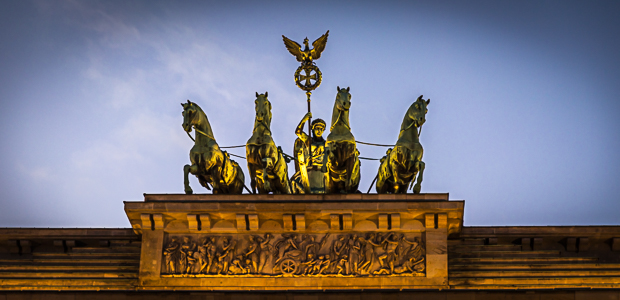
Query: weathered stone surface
529	262
306	250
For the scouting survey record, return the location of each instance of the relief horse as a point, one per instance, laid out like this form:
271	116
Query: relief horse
341	158
403	164
268	169
210	165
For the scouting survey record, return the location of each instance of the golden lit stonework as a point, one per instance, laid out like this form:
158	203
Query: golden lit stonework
232	242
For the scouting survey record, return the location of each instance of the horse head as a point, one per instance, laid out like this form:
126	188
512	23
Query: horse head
190	115
343	99
263	109
417	111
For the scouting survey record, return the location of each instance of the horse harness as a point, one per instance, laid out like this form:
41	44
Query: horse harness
338	119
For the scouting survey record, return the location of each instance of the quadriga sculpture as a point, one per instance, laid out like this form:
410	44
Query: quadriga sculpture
341	158
268	169
211	165
403	164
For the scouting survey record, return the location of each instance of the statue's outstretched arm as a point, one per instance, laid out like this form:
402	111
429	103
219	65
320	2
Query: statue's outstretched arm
299	130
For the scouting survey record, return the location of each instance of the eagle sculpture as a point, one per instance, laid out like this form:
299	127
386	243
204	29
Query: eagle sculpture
307	55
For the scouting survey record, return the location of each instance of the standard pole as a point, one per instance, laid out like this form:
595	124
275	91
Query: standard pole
308	93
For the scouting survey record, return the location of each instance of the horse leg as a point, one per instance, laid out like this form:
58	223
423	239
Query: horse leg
215	176
284	185
326	157
356	174
267	164
252	174
381	177
418	185
394	165
349	165
239	181
249	156
186	170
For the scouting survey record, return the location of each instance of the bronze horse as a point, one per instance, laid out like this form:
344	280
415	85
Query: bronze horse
268	169
210	164
341	158
403	164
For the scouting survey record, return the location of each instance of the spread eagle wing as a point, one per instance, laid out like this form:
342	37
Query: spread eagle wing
293	48
319	46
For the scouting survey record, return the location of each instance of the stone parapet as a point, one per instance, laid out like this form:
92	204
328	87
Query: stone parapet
294	242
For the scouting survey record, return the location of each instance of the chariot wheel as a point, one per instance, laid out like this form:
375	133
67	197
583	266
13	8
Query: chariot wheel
288	266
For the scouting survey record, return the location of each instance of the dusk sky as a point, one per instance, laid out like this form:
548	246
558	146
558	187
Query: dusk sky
523	123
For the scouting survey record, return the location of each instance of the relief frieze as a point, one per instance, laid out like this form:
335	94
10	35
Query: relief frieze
291	254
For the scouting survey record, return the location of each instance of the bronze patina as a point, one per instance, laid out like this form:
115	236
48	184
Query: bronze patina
400	167
341	158
210	164
307	55
311	79
268	169
308	177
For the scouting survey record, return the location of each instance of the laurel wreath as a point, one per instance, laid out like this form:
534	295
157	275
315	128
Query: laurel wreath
312	86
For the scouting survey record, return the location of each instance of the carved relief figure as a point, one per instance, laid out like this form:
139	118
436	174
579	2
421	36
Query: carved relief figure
403	164
368	248
210	165
171	254
307	266
355	248
414	258
265	251
253	253
268	169
354	254
236	268
310	246
289	255
390	257
186	255
207	255
224	257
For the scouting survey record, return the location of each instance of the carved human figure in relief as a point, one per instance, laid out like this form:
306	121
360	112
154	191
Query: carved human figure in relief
265	251
186	258
305	268
236	268
207	255
355	248
414	258
339	246
342	265
225	256
286	245
297	255
328	265
368	249
309	179
171	254
390	257
253	253
320	262
311	246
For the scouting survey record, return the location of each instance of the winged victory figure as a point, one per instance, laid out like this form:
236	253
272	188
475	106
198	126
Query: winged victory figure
307	55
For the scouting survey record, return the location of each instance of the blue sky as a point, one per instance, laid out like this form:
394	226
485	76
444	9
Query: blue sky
523	122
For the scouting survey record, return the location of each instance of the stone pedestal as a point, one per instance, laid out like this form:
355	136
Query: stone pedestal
294	242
